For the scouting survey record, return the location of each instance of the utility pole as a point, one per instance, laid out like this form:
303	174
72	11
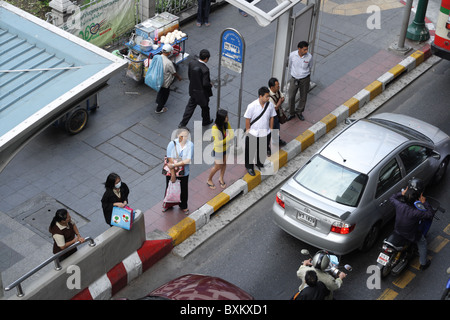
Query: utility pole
418	31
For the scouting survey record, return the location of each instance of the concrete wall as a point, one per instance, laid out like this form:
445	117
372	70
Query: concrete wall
91	263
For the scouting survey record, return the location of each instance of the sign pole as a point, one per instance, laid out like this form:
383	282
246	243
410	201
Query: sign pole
232	52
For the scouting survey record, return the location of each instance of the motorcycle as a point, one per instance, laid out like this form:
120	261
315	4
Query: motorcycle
333	266
446	294
396	251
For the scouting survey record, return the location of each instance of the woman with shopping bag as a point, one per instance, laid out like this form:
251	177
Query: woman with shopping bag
180	153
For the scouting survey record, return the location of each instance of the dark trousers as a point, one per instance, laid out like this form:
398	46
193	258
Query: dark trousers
203	11
161	98
189	111
256	147
184	190
295	85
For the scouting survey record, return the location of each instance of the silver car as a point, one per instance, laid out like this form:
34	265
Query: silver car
339	199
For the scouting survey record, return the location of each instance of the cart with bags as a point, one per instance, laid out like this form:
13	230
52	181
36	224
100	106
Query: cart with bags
147	40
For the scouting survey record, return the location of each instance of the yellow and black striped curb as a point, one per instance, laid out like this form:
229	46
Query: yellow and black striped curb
188	226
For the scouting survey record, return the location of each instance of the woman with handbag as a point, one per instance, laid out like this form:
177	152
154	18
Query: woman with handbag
180	153
223	135
116	195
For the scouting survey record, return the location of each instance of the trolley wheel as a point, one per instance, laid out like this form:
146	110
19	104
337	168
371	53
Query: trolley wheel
76	121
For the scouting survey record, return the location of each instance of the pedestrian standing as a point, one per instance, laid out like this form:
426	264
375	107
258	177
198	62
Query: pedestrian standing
300	65
200	89
258	125
180	153
277	98
64	233
115	195
203	8
223	135
169	74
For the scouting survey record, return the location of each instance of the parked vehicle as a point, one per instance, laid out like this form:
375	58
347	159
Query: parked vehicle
339	199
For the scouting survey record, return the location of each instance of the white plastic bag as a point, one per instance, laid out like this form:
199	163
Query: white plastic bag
173	192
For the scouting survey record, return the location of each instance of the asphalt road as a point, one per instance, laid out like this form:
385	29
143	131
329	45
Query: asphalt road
253	253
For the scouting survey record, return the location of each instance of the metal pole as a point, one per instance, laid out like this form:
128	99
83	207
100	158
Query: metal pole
417	30
401	41
400	45
219	84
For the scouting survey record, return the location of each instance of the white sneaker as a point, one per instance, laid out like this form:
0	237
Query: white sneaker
162	110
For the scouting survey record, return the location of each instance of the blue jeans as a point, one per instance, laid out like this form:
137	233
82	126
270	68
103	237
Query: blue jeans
422	247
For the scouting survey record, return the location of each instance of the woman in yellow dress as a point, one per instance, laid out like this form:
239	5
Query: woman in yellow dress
223	135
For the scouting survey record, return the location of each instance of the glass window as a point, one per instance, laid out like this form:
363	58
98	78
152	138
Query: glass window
413	156
389	176
332	181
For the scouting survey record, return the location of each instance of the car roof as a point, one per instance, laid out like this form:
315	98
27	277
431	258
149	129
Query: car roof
363	145
200	287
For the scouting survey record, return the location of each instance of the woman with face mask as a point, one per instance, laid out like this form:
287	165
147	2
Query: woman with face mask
116	195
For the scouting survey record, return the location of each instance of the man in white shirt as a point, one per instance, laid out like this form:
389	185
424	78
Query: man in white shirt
258	126
169	74
300	64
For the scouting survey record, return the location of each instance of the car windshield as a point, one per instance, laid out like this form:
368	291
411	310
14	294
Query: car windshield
332	181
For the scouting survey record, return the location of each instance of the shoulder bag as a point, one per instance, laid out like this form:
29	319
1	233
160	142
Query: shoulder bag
258	117
282	118
179	171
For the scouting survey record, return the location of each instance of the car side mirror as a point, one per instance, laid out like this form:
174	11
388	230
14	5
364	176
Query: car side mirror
436	155
349	121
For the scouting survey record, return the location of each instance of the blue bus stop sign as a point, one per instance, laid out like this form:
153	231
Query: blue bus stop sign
232	50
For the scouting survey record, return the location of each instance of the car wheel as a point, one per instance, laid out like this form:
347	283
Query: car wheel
440	173
371	237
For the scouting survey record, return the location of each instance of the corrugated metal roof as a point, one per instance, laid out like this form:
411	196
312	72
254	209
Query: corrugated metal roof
43	70
19	54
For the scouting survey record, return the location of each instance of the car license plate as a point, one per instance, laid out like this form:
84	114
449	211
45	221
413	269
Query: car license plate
383	259
306	218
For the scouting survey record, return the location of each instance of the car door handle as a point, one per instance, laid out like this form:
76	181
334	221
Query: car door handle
382	203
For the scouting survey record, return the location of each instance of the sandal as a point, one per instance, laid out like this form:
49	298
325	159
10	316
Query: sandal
211	186
186	211
223	185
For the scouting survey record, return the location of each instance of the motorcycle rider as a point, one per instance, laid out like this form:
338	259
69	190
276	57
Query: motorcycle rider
319	263
408	217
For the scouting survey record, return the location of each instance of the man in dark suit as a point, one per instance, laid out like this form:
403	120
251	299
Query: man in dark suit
200	89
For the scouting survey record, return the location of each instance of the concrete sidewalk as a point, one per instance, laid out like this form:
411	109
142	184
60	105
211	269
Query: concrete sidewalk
352	66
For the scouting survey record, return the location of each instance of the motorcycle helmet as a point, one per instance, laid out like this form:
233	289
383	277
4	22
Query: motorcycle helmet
417	185
320	261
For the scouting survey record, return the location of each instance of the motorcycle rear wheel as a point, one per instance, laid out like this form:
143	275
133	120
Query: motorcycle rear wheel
385	270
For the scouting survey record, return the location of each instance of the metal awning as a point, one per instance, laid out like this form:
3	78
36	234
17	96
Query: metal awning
262	17
43	72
